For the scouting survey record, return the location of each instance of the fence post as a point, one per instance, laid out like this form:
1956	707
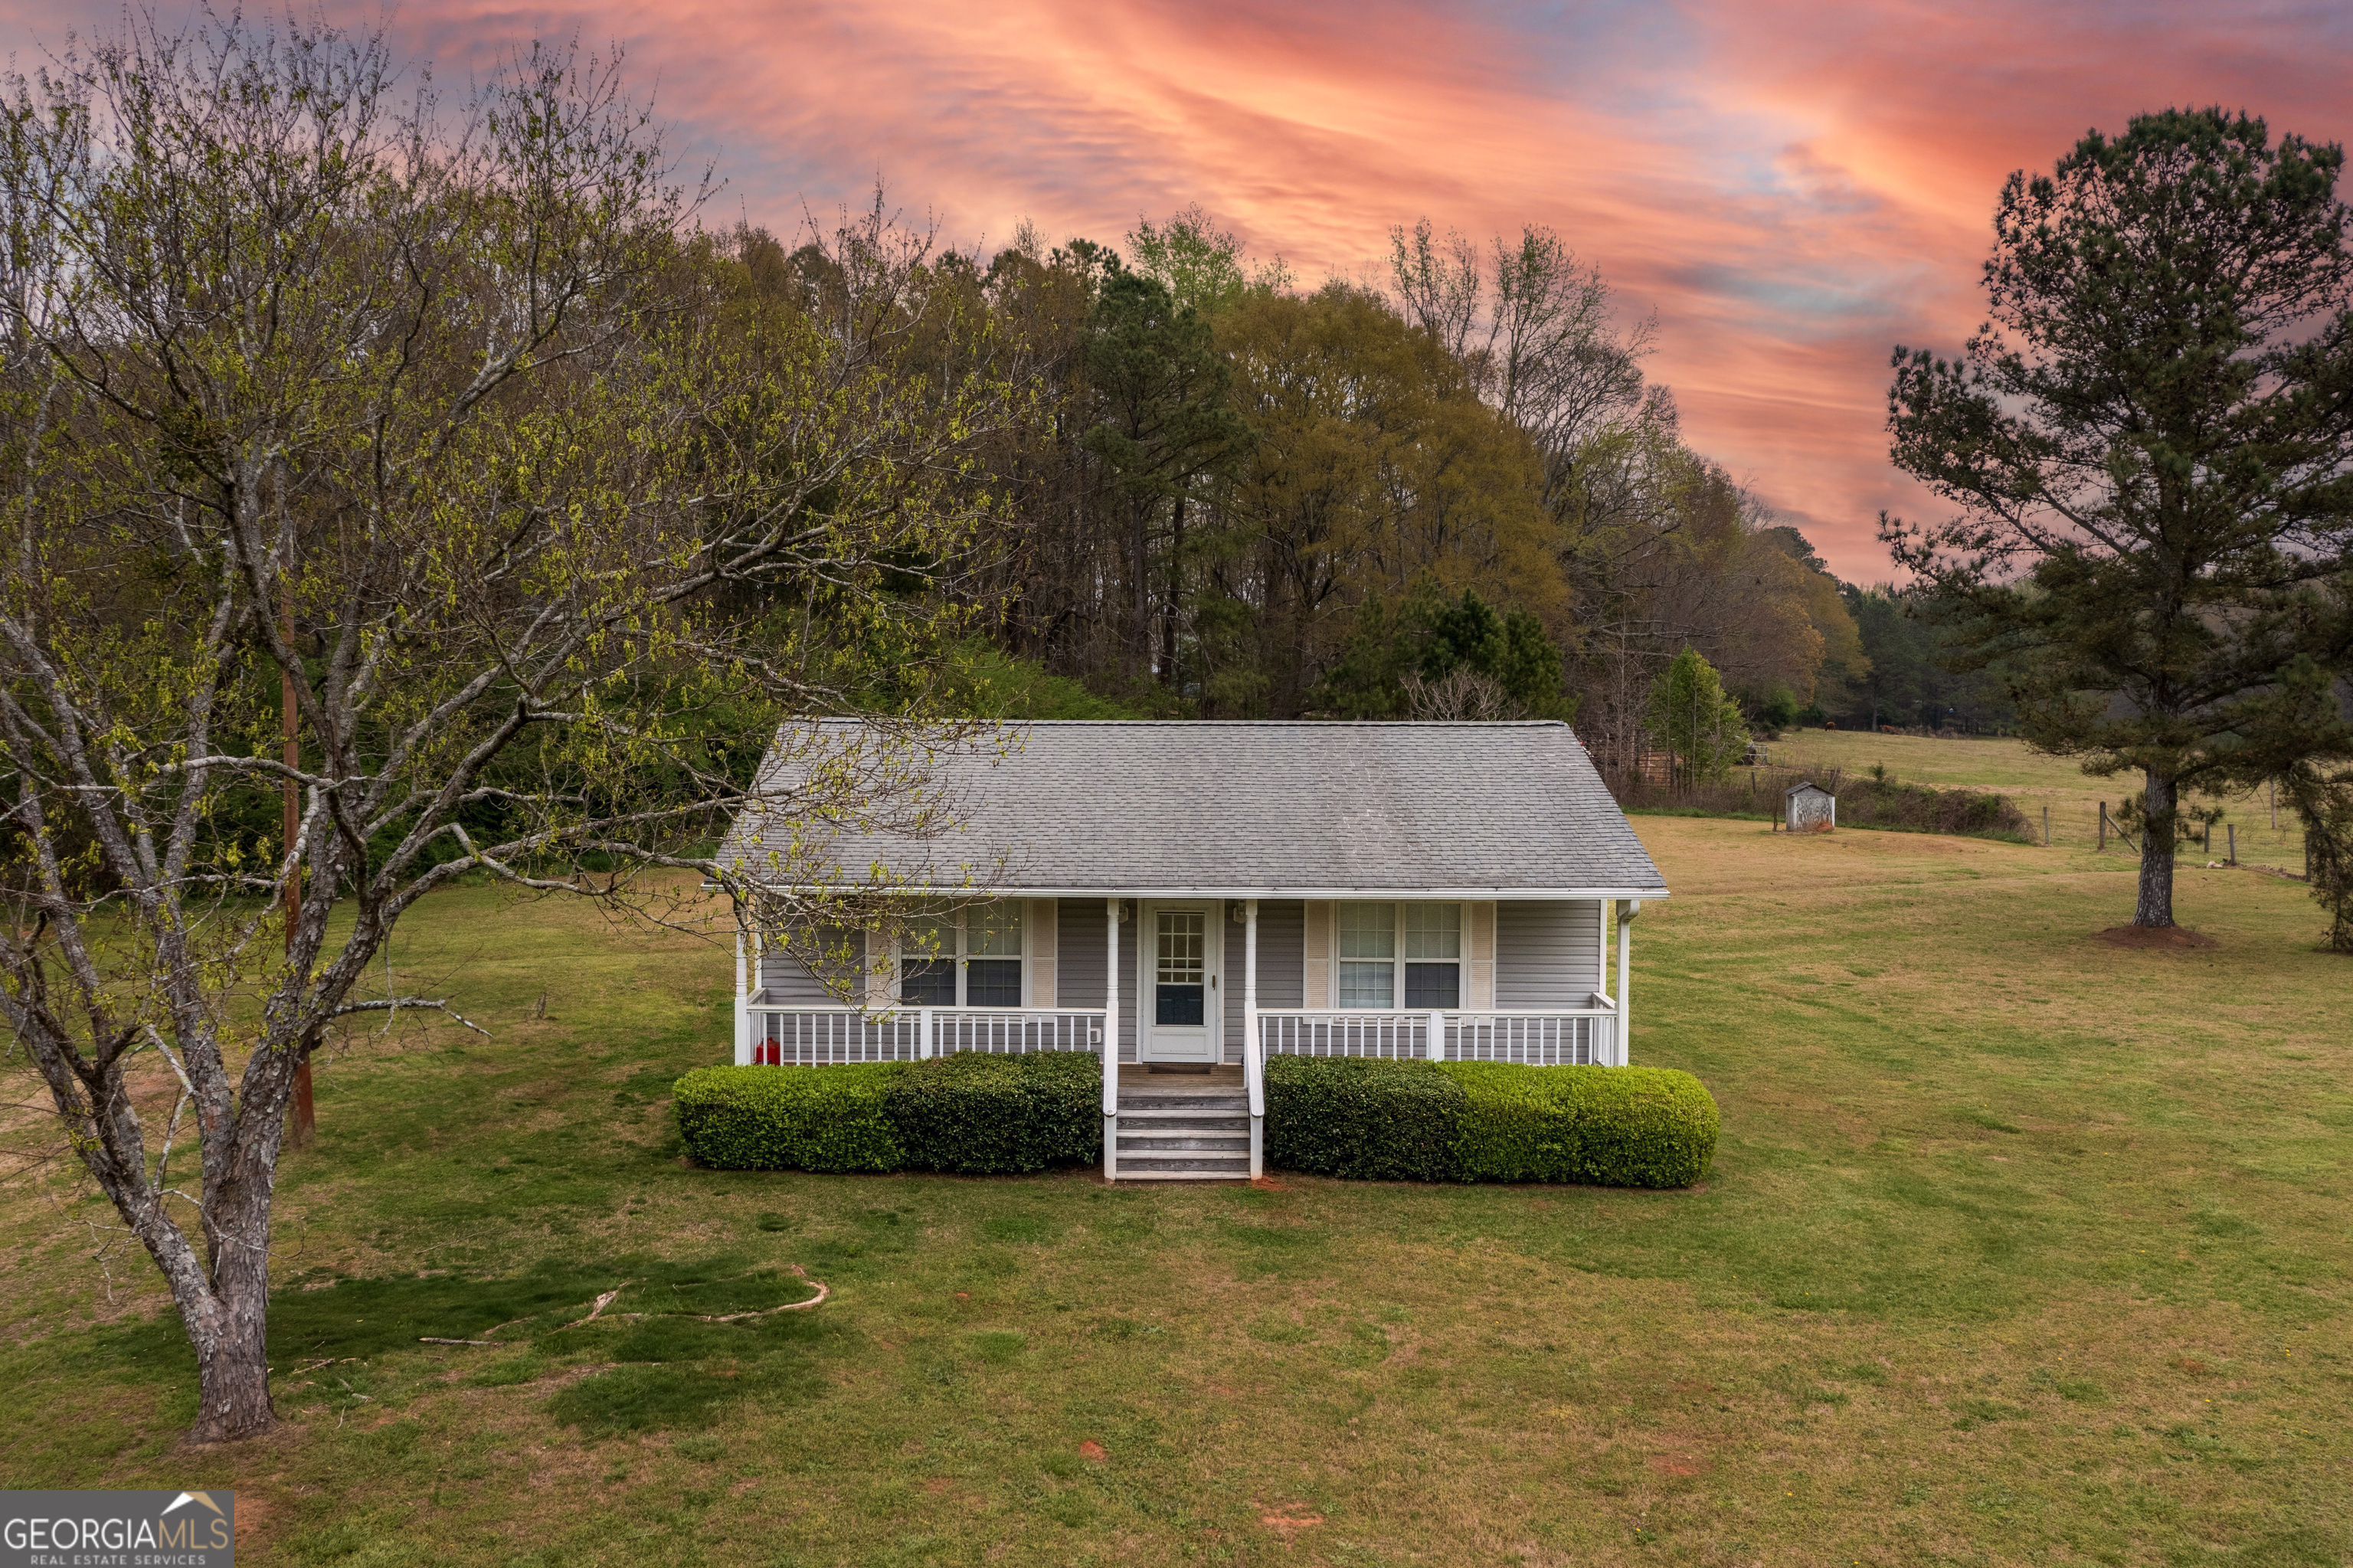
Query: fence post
2046	827
2104	827
2232	829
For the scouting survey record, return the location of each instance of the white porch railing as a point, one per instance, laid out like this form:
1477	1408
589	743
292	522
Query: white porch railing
800	1035
1561	1037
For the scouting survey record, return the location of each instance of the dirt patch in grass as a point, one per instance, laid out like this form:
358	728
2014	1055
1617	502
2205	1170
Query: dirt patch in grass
2160	938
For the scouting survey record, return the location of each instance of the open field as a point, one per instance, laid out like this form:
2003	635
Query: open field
2018	1248
2033	780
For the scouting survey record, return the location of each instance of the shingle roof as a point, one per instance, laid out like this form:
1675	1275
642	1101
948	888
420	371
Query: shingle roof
1244	809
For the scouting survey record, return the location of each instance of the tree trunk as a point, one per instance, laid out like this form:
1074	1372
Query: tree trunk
233	1367
1175	587
2155	905
1139	628
228	1313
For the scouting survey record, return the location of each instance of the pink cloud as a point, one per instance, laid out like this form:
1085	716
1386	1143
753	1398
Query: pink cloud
1792	187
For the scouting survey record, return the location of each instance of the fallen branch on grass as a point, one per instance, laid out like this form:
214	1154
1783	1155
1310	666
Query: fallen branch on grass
823	1290
596	1312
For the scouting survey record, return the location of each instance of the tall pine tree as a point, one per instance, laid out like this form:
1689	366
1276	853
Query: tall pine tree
2150	444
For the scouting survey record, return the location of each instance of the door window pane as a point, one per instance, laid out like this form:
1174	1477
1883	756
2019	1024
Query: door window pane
1180	966
992	982
1368	985
1433	931
1180	1004
1368	930
1433	985
1180	951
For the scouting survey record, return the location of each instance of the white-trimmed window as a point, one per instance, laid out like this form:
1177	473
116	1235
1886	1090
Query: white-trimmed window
1389	951
969	959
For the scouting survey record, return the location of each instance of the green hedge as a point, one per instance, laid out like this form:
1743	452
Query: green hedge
1350	1117
970	1112
1488	1121
1609	1126
789	1119
1362	1118
979	1113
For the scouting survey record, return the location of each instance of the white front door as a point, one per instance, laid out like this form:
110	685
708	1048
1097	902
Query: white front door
1177	984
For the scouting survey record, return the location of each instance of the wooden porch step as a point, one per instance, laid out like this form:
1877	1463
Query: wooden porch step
1158	1142
1221	1102
1192	1115
1195	1168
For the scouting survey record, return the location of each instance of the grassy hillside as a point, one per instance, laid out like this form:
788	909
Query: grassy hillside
2034	781
2018	1248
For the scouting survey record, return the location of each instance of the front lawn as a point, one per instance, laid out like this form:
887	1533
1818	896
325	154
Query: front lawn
2018	1247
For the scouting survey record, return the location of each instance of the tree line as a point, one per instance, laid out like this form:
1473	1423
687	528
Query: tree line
1455	494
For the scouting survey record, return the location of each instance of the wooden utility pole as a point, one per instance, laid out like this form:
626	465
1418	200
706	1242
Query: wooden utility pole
306	1116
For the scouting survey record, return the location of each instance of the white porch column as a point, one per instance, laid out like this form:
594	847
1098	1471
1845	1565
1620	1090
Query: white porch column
742	1006
1253	1064
1111	1040
1627	910
1602	908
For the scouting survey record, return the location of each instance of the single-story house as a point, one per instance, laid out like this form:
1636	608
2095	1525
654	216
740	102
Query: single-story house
1187	898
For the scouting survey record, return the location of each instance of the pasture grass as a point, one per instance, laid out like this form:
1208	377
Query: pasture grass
2017	1248
2008	766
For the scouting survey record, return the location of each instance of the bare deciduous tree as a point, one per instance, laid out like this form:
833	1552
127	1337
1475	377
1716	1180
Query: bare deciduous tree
452	419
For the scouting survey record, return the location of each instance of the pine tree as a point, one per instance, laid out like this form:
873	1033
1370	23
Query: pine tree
2151	446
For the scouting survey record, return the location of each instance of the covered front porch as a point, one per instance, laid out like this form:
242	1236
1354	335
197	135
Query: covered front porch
1198	991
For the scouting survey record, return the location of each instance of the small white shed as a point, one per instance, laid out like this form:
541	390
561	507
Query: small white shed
1807	808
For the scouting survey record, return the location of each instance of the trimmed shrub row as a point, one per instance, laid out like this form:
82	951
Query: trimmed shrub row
1488	1121
1350	1117
970	1112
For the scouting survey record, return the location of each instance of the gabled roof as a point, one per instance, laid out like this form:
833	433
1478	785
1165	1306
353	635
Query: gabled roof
1298	808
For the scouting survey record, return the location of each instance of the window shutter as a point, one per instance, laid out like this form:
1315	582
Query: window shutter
1479	941
881	955
1318	977
1039	983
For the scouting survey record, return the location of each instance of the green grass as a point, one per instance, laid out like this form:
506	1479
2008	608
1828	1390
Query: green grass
2035	782
2017	1248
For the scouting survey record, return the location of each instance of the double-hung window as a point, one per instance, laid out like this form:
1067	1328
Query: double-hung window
969	959
1412	951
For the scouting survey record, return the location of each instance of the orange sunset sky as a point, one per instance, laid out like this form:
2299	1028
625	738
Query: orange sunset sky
1792	187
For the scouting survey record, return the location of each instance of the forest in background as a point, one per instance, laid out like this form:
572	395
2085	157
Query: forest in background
1451	492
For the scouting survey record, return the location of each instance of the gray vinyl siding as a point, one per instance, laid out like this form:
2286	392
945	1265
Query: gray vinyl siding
787	977
1281	943
1282	952
1079	954
1547	953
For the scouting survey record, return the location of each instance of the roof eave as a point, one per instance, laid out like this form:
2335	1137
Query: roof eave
1471	895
